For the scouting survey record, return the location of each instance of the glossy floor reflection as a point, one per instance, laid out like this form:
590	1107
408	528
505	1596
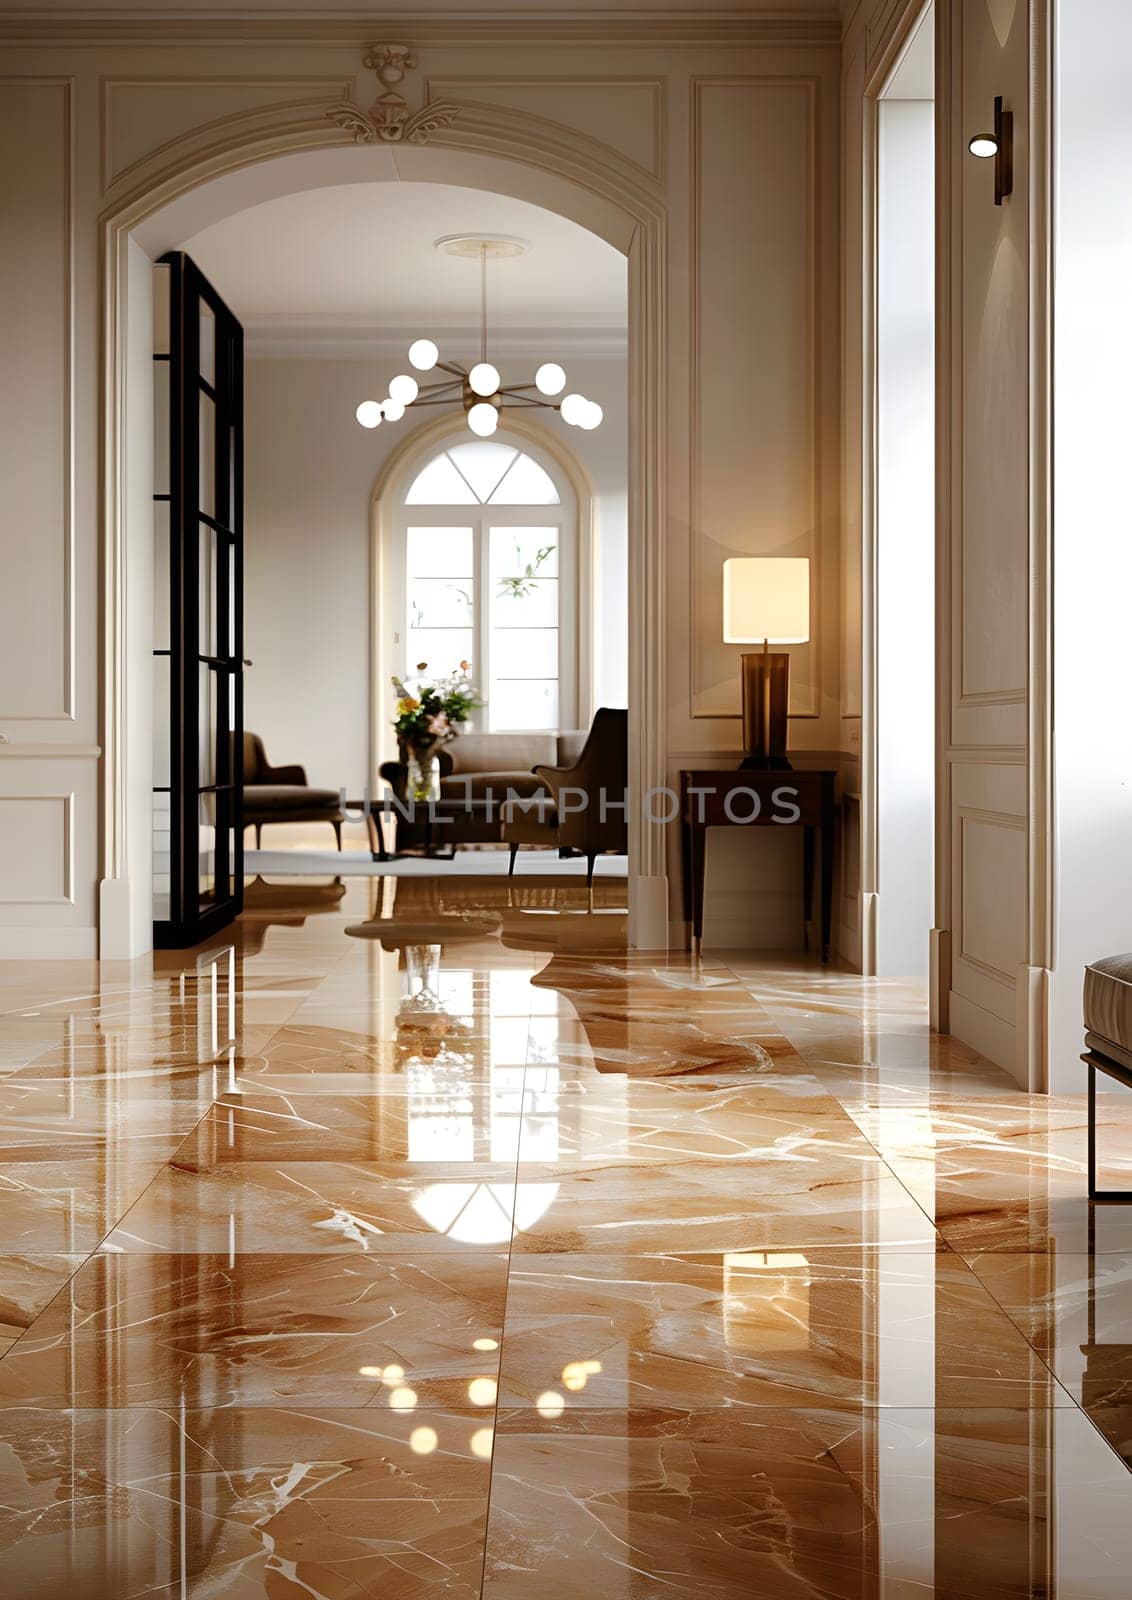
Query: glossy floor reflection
466	1258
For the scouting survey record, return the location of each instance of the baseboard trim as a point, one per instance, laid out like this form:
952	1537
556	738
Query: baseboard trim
983	1031
648	913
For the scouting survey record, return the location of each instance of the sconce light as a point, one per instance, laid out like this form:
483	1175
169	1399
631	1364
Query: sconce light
1000	145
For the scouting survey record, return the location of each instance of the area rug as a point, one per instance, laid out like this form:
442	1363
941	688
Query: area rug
468	864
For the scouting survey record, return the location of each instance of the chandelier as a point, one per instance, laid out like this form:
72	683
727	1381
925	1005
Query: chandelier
479	389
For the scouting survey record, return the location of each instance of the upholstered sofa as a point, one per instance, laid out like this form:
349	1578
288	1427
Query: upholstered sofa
282	794
479	772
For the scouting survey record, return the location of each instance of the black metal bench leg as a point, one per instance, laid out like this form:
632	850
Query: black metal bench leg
1101	1196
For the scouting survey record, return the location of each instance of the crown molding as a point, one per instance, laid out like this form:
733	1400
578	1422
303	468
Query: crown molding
336	338
518	28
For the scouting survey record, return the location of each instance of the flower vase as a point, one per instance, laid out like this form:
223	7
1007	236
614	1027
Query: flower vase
423	777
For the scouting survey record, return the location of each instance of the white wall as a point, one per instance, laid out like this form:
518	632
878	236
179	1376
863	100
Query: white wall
1092	510
725	144
310	472
988	957
905	534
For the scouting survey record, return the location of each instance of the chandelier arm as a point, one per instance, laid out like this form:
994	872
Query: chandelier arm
439	400
453	367
439	388
527	403
483	302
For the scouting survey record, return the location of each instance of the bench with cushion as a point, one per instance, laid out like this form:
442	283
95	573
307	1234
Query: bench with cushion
1108	1035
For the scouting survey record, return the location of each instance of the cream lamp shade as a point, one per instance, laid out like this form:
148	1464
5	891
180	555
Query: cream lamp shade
766	597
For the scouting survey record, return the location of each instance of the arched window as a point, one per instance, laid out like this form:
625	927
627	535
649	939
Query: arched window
486	568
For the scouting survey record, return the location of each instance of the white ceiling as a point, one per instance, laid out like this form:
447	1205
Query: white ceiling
362	257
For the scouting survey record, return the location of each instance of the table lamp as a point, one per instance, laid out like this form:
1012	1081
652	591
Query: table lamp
766	599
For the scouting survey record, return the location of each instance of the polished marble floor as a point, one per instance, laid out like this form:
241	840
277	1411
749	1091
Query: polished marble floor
471	1255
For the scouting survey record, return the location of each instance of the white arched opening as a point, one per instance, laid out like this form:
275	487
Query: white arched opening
503	151
433	490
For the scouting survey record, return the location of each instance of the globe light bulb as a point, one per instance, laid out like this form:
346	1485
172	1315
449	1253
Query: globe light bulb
573	409
392	410
483	419
592	417
369	414
483	378
404	389
423	355
550	378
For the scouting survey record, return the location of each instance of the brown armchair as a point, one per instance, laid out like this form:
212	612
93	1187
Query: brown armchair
282	794
584	806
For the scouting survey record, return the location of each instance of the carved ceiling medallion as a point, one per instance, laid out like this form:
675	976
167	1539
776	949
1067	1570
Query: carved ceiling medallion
389	120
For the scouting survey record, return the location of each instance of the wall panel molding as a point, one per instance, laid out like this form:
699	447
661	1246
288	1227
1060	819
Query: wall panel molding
266	98
720	699
29	357
38	834
582	116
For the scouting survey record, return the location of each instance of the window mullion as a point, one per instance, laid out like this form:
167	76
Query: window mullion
481	616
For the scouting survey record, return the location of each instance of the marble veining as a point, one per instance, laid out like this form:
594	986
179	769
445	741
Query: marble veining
533	1267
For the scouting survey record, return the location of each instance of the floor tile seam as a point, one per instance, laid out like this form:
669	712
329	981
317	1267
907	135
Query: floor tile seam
136	1199
62	1289
502	1348
1014	1322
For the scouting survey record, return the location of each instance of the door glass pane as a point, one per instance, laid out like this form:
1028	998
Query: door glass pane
524	553
524	653
442	649
532	704
161	379
534	604
207	578
161	579
206	491
207	345
207	726
524	649
527	484
162	850
440	553
440	603
230	643
161	314
162	735
439	484
206	847
483	465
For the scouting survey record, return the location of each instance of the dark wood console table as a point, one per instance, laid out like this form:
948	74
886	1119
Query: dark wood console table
801	797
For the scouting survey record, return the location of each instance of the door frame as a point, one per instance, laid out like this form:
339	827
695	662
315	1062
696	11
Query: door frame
509	152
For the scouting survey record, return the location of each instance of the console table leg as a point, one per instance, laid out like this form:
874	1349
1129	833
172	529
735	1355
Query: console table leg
698	837
826	886
807	883
1092	1132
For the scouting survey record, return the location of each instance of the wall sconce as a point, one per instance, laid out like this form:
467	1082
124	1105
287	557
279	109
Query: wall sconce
1000	145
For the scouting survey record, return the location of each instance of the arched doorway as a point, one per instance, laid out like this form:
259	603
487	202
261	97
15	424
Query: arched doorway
504	152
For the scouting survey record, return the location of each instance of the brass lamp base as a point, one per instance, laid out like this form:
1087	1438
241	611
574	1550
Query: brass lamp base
766	696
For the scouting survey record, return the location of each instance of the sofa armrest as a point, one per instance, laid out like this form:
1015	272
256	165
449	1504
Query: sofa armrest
396	775
292	774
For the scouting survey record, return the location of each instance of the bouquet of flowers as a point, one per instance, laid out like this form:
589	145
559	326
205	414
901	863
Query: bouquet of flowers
432	714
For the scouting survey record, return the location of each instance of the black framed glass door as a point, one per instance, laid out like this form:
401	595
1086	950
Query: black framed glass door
198	607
